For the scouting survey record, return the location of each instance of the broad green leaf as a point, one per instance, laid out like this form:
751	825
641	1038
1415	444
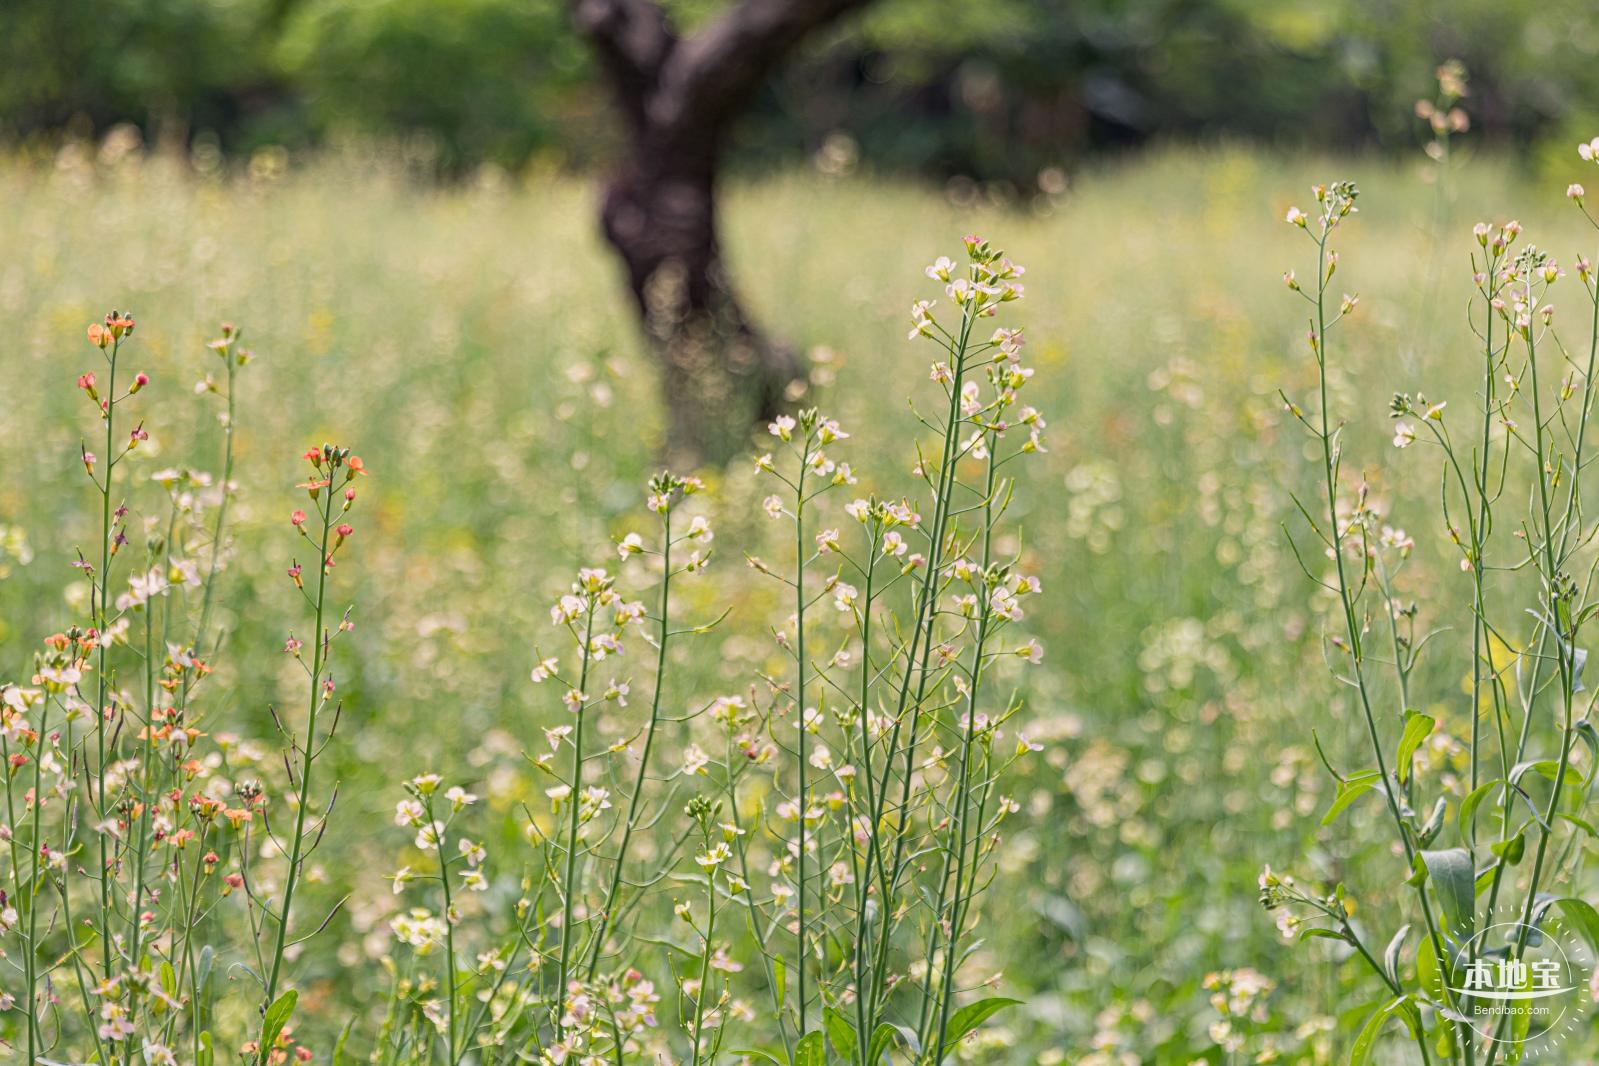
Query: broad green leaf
971	1016
780	979
1349	790
882	1037
811	1050
1545	767
1418	727
1511	850
1580	913
1454	882
841	1033
1401	1008
1468	806
276	1017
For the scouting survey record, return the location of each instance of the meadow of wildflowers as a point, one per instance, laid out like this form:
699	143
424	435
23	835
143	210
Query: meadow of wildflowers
923	734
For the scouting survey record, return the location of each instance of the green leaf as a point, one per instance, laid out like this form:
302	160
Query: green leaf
971	1016
1317	932
1455	882
811	1050
882	1037
1468	806
1545	767
1349	790
1390	958
780	979
1426	965
338	1049
1579	913
1511	850
1401	1008
841	1033
1418	727
1435	822
276	1017
206	1056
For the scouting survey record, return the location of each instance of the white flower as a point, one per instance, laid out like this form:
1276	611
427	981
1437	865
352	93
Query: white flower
545	670
773	506
632	544
845	596
1404	435
408	812
459	797
782	427
158	1055
1590	150
715	856
695	760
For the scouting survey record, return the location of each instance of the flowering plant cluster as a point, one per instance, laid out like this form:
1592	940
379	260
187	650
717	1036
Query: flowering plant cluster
784	870
143	869
817	843
1487	812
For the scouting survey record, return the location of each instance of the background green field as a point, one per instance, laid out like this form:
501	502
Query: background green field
473	346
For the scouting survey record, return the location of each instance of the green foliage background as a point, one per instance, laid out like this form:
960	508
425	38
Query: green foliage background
496	388
995	91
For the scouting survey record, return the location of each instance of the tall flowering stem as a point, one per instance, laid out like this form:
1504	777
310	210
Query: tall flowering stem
1349	534
331	490
917	739
1524	426
665	491
108	338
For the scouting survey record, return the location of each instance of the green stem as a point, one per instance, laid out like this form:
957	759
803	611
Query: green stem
631	823
569	886
308	755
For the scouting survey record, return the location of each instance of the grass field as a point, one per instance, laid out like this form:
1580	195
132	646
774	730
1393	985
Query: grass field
474	346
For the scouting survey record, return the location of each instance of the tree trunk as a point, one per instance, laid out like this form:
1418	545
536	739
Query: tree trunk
720	375
677	97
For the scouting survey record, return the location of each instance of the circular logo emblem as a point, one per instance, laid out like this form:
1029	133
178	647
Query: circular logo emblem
1519	984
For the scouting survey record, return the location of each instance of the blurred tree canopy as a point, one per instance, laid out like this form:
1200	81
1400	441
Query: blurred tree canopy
1000	90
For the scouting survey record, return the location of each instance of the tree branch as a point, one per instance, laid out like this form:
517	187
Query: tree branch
632	39
708	78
